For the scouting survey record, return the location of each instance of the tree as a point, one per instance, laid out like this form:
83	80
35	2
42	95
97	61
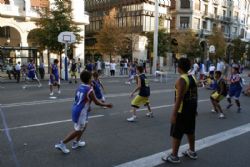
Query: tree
52	23
239	48
164	42
110	38
187	43
217	39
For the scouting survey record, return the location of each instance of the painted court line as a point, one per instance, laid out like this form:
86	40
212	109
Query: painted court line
48	123
155	159
95	116
40	102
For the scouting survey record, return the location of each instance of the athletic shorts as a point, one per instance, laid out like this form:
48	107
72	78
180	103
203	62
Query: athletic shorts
183	125
73	73
82	121
54	80
32	76
216	96
234	93
139	100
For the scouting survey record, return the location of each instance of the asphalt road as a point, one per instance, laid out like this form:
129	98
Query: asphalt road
31	123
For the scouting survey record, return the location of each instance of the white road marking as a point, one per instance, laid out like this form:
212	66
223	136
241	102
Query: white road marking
48	123
71	99
2	87
155	159
95	116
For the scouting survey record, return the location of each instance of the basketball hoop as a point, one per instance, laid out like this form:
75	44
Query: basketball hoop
66	37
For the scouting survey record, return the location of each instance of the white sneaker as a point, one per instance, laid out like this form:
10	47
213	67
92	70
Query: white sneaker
59	92
51	94
128	83
221	116
132	119
61	146
77	144
39	86
213	111
150	115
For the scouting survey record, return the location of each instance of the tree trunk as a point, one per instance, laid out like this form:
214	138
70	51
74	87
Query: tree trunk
48	55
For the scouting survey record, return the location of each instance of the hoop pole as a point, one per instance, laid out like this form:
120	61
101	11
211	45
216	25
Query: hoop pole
65	61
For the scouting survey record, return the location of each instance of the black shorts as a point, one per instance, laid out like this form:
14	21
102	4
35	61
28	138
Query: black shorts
185	124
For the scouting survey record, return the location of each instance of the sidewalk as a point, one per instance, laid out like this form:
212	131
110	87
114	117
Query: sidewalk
4	77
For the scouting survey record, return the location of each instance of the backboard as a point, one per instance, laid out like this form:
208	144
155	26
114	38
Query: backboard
66	37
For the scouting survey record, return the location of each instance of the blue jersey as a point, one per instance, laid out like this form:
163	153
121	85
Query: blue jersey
235	82
31	70
55	73
145	89
82	102
97	88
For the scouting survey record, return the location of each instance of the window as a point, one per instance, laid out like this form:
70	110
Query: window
197	23
235	30
206	9
185	4
204	25
5	32
224	13
198	5
184	22
215	11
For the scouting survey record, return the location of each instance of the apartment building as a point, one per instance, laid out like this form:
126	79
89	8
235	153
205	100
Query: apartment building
232	16
137	15
17	21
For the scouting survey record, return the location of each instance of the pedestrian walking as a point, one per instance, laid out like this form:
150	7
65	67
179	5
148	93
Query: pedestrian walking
54	79
80	111
143	96
184	113
219	94
235	88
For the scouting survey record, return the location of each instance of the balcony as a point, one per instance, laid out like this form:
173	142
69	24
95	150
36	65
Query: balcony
9	10
208	15
225	19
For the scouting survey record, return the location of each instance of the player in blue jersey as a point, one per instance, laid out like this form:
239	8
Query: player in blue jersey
32	74
98	87
80	111
235	88
54	79
132	73
142	97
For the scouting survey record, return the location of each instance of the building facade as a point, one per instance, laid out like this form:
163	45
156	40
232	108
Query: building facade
17	20
137	15
232	16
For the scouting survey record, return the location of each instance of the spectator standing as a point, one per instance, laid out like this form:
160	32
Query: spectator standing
112	68
41	70
18	71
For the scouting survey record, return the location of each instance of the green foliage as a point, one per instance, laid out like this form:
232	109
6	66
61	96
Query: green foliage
164	42
217	39
52	23
239	48
188	43
110	38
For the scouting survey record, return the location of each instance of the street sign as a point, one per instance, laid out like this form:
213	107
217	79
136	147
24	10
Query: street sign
67	37
211	49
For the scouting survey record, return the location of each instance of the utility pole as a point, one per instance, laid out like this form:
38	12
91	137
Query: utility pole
156	36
